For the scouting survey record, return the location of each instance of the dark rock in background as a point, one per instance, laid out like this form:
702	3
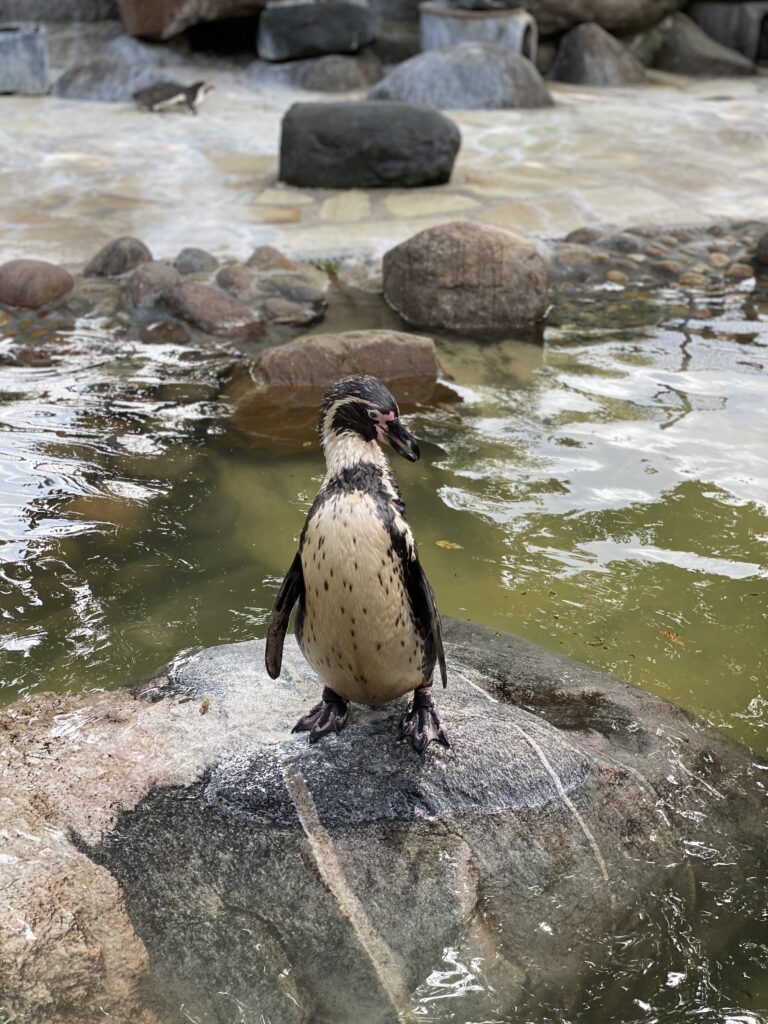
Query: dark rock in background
468	76
23	58
614	15
686	49
588	55
366	145
118	257
57	10
195	261
338	73
289	31
464	276
162	19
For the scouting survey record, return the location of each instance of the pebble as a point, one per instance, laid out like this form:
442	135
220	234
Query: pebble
692	279
740	271
718	260
617	277
669	266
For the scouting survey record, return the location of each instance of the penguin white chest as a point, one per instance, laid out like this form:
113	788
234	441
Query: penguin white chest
357	630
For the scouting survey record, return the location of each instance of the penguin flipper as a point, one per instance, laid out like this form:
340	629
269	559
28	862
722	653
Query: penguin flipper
425	610
291	589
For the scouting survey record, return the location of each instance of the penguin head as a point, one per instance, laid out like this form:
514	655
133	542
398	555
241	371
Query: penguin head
361	406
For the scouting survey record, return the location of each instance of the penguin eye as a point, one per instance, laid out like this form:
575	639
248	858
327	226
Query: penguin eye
374	414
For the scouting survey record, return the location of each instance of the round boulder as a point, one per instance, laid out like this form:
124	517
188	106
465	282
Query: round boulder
588	55
33	283
199	855
366	145
468	76
467	277
118	257
192	260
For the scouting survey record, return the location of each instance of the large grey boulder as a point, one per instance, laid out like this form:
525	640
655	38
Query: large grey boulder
23	58
588	55
467	76
467	277
366	145
291	30
685	49
30	284
174	853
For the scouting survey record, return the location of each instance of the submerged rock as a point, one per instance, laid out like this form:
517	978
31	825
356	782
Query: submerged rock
686	49
469	277
213	311
195	261
33	283
198	855
588	55
467	76
118	257
366	145
291	30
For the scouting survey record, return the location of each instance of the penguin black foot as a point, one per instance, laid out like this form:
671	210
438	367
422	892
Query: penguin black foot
330	715
421	724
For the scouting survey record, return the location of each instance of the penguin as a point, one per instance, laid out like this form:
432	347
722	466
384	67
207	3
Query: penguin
162	96
366	619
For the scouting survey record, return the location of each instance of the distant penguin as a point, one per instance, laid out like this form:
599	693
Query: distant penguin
366	619
164	96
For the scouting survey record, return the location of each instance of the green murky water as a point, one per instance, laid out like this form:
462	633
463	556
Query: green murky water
605	495
609	493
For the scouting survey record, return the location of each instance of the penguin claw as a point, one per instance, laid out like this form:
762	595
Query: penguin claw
329	716
421	724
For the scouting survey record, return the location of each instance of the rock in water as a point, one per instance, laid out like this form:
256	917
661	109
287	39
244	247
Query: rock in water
23	57
118	257
467	76
213	311
162	19
685	49
33	283
588	55
288	31
468	277
614	15
366	145
199	855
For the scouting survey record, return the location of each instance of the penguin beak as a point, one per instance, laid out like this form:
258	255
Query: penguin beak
402	440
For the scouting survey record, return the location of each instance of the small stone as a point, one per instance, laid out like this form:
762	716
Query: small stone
739	271
637	257
283	311
657	250
674	267
214	311
583	236
617	277
118	257
266	257
165	332
718	260
692	279
33	283
150	283
195	261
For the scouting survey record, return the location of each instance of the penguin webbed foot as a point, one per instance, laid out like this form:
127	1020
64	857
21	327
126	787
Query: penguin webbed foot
421	723
329	716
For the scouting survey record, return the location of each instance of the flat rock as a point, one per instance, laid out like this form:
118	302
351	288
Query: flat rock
150	283
686	49
588	55
317	360
291	30
366	145
199	855
33	283
467	76
466	277
214	311
162	19
118	257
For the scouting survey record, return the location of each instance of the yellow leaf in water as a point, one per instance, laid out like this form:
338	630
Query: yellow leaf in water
306	444
669	635
449	545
